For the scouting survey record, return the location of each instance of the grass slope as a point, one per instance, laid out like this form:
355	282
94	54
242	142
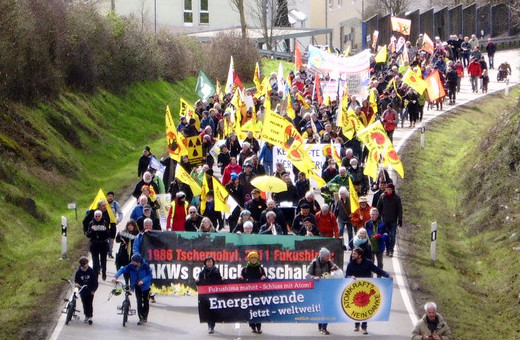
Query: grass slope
58	153
466	179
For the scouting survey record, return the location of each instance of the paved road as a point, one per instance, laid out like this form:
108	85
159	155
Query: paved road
177	317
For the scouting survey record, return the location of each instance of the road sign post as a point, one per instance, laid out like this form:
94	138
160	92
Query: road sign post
433	244
423	130
64	226
71	206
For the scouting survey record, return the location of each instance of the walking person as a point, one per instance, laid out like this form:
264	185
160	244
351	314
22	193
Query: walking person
360	266
140	282
320	266
209	275
85	275
253	272
99	234
391	211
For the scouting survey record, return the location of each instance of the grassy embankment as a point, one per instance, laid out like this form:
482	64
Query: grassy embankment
467	179
58	153
63	152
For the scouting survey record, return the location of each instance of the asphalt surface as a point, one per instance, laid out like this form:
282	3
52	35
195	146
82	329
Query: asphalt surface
177	317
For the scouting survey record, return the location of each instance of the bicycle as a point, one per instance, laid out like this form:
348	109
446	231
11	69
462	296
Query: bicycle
124	309
70	309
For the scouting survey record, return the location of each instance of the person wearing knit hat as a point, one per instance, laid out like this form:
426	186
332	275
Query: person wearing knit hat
320	267
140	281
253	272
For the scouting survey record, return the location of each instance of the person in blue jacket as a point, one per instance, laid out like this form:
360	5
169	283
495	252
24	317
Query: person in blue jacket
140	282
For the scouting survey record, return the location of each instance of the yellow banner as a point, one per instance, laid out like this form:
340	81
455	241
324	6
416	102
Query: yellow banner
185	178
221	195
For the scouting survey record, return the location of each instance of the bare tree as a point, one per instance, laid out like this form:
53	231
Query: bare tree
393	7
239	6
269	14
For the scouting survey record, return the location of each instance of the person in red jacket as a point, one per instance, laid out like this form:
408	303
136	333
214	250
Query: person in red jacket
327	223
474	71
233	166
177	213
362	214
390	121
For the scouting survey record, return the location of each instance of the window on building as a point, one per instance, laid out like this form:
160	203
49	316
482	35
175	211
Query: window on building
188	12
331	3
340	3
204	12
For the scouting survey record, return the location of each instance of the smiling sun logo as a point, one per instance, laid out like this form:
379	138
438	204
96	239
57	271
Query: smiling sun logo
361	300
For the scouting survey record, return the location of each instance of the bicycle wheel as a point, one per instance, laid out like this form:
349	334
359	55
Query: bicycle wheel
71	307
126	308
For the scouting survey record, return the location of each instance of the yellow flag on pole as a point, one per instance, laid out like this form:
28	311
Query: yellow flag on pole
279	131
372	164
390	158
94	206
184	107
381	55
221	195
256	77
176	147
185	178
303	101
353	196
203	193
372	100
417	83
290	109
349	122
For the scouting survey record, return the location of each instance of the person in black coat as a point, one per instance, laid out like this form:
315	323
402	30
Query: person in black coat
144	161
359	266
147	211
85	275
209	275
253	272
99	233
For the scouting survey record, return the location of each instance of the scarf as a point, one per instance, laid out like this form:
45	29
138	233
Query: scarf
389	195
359	241
257	264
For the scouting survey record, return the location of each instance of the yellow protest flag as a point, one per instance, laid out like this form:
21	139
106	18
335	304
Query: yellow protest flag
372	164
184	106
185	178
390	158
414	81
303	101
347	52
176	147
279	131
94	206
218	91
203	193
381	55
373	136
267	103
221	195
372	100
263	88
349	122
319	181
334	153
256	76
326	101
353	196
290	109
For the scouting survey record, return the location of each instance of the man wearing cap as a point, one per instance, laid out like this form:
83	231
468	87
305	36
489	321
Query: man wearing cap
177	213
362	214
298	222
321	266
256	205
147	213
140	281
144	160
391	211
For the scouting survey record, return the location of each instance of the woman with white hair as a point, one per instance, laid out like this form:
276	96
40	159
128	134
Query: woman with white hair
342	211
431	326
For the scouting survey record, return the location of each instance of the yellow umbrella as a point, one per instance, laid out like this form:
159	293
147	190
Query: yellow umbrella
269	184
